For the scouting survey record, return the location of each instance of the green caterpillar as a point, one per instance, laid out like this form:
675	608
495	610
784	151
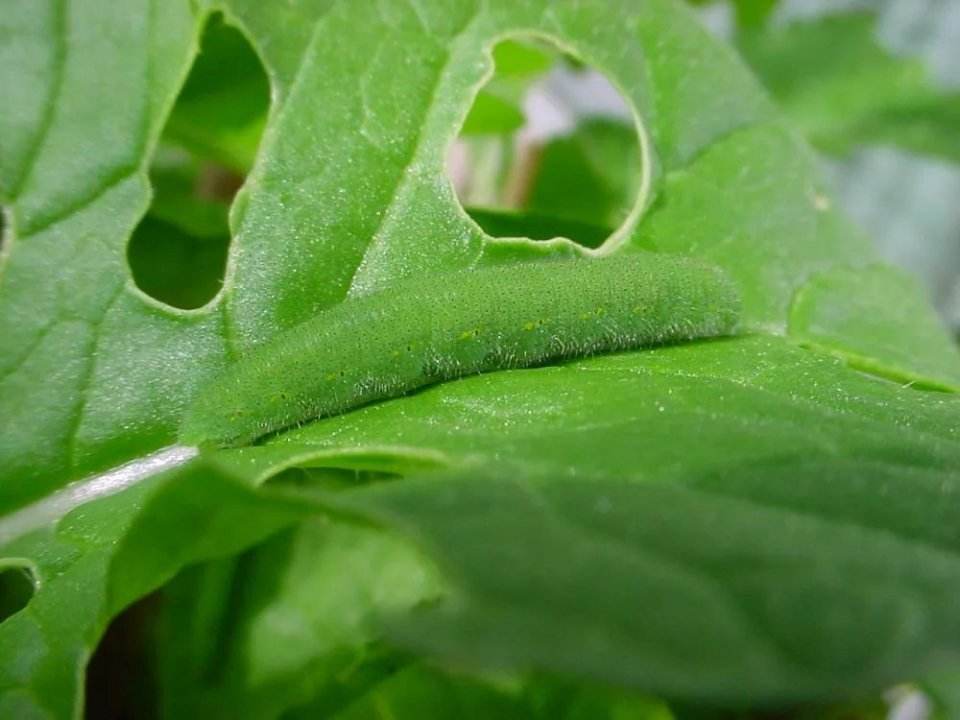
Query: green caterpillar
441	327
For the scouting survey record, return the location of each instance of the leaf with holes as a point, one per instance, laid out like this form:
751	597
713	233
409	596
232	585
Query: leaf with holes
802	469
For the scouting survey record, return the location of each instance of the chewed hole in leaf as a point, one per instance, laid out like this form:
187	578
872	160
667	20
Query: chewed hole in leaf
17	586
178	252
549	149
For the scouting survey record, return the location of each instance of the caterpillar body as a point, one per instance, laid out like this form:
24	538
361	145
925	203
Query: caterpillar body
430	329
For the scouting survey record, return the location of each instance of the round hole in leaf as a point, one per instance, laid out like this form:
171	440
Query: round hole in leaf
178	252
17	586
549	149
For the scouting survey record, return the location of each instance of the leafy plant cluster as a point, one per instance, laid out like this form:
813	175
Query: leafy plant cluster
712	529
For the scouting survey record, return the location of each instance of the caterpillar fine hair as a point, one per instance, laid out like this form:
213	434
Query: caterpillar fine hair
440	327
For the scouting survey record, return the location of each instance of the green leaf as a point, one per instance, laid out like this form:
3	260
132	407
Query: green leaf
300	612
81	385
634	417
753	14
368	204
772	200
491	115
415	691
647	594
592	176
843	89
794	544
280	33
517	60
838	312
614	416
292	619
349	194
102	555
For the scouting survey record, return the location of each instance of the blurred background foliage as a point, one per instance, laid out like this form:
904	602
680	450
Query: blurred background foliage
875	85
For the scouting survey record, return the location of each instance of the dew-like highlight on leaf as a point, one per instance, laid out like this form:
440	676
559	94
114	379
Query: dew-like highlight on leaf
54	506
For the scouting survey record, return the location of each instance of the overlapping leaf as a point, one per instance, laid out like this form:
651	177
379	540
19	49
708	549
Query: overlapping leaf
348	193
